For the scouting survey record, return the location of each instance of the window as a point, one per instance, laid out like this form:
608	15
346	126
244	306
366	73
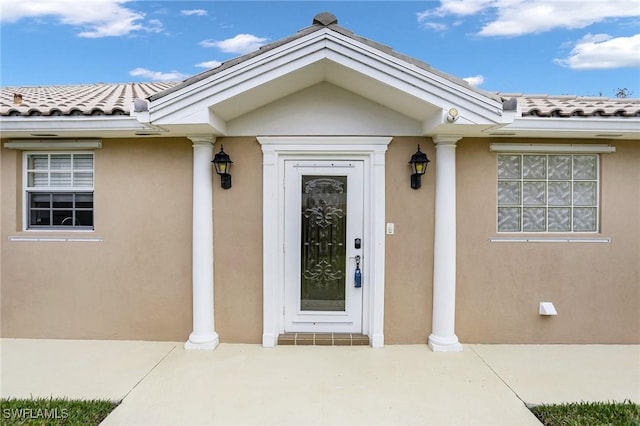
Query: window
59	190
548	192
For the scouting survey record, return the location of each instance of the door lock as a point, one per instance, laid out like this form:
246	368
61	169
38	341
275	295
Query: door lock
357	243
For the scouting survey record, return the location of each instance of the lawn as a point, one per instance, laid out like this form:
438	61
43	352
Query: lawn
624	413
54	411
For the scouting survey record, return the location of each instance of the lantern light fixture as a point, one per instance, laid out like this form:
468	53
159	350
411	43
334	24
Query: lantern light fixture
222	162
418	164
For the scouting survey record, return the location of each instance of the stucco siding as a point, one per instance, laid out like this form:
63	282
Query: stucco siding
409	252
595	287
237	244
133	284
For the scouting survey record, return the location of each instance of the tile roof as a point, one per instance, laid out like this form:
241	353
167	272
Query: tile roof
574	106
116	99
84	99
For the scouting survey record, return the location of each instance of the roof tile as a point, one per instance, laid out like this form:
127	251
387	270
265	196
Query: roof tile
116	99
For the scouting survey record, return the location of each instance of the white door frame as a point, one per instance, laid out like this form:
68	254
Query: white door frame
348	320
275	151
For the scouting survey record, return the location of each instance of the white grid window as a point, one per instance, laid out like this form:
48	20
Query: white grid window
548	192
59	190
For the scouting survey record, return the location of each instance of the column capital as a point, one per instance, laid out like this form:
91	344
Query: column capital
202	139
439	140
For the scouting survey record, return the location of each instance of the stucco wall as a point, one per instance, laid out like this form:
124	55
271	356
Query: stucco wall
594	286
237	244
409	252
136	282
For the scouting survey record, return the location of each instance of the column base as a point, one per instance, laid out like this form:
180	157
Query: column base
269	340
444	344
377	341
202	343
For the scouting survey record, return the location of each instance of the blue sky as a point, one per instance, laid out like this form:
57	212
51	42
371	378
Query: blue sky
577	47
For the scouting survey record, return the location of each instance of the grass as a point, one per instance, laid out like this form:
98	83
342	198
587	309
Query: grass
57	411
624	413
54	411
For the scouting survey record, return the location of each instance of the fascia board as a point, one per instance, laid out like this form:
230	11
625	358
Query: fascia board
328	44
420	86
223	90
52	124
628	126
418	81
215	88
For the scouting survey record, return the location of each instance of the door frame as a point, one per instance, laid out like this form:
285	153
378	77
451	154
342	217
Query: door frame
371	150
349	320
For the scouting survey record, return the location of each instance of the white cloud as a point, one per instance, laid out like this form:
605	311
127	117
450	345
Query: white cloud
157	75
601	51
209	64
436	26
196	12
242	43
475	81
96	18
519	17
455	7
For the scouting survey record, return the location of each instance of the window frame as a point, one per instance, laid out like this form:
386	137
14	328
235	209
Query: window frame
28	191
546	180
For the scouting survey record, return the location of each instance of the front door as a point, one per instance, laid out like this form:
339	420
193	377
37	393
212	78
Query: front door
323	246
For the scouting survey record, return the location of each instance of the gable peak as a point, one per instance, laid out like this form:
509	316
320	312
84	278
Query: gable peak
325	19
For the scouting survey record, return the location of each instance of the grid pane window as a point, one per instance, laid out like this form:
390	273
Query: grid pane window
59	190
547	193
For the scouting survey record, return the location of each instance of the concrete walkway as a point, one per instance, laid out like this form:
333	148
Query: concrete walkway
159	383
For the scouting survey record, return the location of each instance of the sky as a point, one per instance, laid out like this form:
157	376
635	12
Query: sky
557	47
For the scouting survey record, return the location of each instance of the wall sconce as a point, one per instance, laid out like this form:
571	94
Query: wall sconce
222	162
418	164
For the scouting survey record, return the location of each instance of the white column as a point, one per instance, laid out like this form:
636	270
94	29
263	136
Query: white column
443	338
203	335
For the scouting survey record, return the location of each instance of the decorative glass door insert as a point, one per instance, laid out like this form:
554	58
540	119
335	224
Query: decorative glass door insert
323	219
323	251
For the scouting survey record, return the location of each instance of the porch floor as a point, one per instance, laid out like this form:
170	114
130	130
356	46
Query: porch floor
159	383
323	339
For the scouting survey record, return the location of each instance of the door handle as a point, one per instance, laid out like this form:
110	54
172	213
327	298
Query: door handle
357	279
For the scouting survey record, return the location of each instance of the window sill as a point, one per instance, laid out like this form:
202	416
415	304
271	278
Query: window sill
550	239
55	239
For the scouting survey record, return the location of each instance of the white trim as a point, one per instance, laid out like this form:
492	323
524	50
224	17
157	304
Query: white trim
53	144
539	147
18	126
549	240
275	150
564	127
195	104
56	239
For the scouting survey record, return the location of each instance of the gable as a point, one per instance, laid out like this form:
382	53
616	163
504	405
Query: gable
210	101
323	109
